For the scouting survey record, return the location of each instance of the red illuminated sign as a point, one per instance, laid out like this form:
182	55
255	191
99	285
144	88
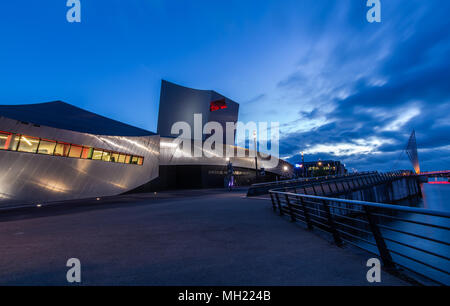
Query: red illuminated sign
216	105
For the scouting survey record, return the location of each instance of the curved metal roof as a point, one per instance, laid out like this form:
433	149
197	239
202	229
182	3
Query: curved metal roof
61	115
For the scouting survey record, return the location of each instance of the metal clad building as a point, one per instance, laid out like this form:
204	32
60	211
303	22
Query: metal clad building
76	154
179	103
55	151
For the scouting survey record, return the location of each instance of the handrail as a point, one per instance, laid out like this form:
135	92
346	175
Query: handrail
368	225
317	178
422	211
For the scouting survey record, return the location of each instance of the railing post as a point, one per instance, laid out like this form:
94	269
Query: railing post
337	188
291	211
333	228
349	187
323	190
314	189
273	202
305	213
381	244
279	204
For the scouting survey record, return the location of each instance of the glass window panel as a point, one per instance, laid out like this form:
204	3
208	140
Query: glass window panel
106	156
97	155
115	157
122	158
127	159
134	160
75	151
14	142
5	139
87	153
140	160
62	149
46	147
28	144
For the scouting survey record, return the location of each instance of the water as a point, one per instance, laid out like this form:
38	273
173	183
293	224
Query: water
436	196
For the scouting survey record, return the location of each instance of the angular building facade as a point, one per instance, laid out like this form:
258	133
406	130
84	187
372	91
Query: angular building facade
55	151
179	104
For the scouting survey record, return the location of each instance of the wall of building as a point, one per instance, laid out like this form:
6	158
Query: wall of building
179	103
29	178
171	154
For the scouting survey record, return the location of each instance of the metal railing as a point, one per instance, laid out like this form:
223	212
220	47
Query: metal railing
263	188
412	238
310	179
342	185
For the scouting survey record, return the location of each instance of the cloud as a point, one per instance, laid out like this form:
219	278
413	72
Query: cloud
361	89
405	115
355	147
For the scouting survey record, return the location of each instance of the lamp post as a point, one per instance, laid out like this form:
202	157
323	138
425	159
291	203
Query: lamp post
256	155
285	170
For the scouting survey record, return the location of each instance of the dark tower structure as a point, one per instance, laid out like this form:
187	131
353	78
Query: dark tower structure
411	151
179	103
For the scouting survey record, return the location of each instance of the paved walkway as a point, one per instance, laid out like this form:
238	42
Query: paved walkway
183	239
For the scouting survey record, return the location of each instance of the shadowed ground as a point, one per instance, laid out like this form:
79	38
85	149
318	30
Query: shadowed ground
183	238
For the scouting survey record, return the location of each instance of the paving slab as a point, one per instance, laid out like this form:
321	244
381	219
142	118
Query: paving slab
188	238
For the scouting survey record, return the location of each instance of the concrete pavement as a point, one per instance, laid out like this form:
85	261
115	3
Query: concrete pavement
183	238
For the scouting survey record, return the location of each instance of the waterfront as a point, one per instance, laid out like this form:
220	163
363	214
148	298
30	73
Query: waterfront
435	196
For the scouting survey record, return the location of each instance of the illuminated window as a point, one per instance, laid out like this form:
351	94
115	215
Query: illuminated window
122	158
75	151
87	153
127	159
106	156
115	157
62	149
15	138
97	155
47	147
28	144
23	143
5	139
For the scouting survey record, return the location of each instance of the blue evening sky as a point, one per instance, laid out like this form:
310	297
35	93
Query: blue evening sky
340	87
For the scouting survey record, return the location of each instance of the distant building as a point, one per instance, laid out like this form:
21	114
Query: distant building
319	168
